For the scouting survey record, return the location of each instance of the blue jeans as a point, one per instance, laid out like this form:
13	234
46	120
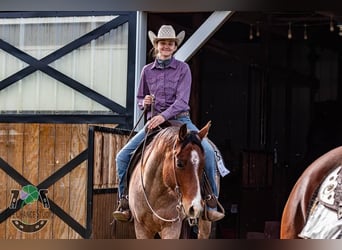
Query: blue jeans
124	155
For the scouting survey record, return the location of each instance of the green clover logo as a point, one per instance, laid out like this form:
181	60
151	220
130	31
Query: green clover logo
29	194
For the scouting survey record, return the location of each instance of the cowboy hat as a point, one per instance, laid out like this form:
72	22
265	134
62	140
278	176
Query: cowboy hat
166	32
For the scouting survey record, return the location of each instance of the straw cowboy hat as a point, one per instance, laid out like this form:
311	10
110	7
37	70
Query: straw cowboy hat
166	32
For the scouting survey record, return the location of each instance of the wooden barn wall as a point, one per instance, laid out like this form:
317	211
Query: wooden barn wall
36	151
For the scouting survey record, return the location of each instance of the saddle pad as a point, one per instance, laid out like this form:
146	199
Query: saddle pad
322	223
219	160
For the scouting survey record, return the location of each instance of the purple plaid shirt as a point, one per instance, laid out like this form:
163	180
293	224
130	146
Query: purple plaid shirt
170	85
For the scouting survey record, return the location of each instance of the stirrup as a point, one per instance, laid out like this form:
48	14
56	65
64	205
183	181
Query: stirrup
122	215
122	212
207	205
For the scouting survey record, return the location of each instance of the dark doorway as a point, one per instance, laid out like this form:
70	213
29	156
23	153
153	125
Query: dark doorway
270	84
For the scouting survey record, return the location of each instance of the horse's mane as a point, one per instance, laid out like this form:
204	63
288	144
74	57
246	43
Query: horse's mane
166	138
193	138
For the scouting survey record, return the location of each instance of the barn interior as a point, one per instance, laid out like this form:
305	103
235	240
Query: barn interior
270	82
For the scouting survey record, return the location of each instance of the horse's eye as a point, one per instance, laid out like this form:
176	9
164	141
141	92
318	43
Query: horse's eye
179	163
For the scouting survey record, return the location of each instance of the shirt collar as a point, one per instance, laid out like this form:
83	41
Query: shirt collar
172	64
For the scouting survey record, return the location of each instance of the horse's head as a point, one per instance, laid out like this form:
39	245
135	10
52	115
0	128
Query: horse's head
188	155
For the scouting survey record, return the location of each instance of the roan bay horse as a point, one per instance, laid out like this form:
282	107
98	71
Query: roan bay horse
297	209
164	187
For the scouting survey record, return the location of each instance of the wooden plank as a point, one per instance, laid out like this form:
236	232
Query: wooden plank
61	189
120	141
15	159
106	147
103	225
5	193
105	160
31	172
78	178
47	133
257	169
103	206
98	150
111	163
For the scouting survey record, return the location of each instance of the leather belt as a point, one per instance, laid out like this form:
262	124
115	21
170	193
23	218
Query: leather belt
182	114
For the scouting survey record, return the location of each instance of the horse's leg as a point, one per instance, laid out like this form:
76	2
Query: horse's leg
172	232
204	229
141	232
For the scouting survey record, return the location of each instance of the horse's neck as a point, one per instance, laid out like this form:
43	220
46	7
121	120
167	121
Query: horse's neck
159	171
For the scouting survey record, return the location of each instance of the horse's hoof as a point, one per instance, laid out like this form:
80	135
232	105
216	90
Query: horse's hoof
123	216
214	215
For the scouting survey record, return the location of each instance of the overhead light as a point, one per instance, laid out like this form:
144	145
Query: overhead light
250	32
257	32
305	33
289	32
331	24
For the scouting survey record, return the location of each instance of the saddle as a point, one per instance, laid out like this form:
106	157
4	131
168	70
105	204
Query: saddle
330	191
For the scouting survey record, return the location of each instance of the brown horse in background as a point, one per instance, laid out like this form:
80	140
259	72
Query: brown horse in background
297	207
165	186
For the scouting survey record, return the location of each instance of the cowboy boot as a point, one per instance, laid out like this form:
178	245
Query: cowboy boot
211	213
214	215
122	213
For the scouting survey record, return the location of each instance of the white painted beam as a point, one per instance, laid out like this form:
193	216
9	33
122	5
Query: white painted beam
202	34
140	59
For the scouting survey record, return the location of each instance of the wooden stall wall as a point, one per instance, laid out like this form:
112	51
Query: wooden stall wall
107	142
35	152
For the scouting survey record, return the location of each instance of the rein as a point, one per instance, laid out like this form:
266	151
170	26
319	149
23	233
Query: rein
179	205
136	124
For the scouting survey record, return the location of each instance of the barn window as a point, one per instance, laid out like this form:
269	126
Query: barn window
36	77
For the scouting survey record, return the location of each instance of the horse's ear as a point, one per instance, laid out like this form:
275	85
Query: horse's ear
204	131
183	130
